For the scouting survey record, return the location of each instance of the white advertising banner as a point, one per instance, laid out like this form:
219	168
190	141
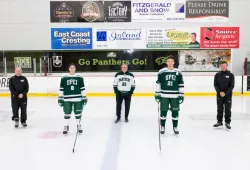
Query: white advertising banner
158	10
4	84
119	38
169	38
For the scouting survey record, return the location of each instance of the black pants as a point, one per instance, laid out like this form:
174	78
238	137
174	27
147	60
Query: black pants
224	102
119	100
17	103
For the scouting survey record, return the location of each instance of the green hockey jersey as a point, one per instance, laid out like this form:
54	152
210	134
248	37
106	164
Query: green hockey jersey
72	88
170	83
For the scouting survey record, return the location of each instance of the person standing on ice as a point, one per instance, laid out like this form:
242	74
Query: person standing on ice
72	95
224	85
19	87
124	86
169	93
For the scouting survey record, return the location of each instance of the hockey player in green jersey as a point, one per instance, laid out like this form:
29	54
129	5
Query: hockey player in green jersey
72	95
169	93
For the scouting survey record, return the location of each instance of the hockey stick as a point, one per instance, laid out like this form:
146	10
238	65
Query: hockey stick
159	124
76	135
77	132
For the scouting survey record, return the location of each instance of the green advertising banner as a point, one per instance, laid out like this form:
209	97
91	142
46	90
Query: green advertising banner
23	62
177	38
108	61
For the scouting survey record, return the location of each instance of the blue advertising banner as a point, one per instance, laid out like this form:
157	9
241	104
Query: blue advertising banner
71	38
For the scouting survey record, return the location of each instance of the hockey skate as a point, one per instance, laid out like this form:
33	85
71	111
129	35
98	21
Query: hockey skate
228	127
24	124
16	123
176	131
126	120
218	125
79	128
66	129
162	130
117	120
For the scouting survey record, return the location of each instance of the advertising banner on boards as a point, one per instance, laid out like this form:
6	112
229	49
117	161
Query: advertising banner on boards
117	11
220	37
180	38
157	11
4	84
76	11
203	60
119	38
23	62
71	38
209	10
110	61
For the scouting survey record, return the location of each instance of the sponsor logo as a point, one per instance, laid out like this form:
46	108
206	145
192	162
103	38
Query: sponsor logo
23	62
159	8
177	35
64	12
118	10
90	11
101	36
205	9
111	55
57	61
162	60
179	7
124	35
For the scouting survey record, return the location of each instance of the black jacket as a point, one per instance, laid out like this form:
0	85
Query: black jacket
18	85
224	82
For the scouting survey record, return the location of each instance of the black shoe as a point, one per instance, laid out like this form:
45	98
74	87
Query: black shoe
66	129
228	126
79	128
218	124
24	124
176	131
117	120
162	130
16	123
126	120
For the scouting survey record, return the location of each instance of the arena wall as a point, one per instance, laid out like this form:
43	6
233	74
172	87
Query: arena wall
29	28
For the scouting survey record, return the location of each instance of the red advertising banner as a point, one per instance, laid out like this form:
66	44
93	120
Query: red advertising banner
220	37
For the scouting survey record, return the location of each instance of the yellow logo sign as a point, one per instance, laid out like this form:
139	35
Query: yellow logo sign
162	60
177	35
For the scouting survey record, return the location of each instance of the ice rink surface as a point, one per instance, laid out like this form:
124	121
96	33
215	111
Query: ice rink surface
133	146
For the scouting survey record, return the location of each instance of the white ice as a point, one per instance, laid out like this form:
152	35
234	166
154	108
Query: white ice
133	146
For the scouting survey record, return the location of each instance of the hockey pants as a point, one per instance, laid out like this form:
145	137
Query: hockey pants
68	106
169	104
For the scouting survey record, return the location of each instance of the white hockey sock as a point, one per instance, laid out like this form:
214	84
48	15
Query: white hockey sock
78	121
66	122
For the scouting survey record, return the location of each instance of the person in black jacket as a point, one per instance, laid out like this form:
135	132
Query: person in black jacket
19	88
224	85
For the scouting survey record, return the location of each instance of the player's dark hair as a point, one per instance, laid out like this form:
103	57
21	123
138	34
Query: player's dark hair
224	62
193	33
170	57
71	64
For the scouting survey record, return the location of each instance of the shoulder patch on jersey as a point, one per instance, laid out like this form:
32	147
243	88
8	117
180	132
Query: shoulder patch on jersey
79	75
163	69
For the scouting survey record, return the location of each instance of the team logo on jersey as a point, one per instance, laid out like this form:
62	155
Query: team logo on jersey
57	61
